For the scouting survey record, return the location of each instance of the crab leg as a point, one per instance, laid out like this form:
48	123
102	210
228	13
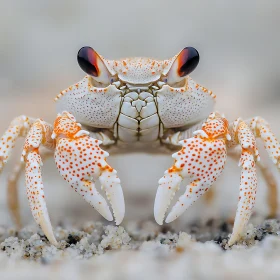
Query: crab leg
272	195
271	183
36	196
241	134
246	138
38	135
18	128
81	162
247	195
12	188
262	130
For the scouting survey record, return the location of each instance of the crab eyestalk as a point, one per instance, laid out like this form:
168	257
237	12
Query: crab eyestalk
186	61
91	62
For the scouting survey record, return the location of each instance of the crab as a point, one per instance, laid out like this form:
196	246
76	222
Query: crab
137	104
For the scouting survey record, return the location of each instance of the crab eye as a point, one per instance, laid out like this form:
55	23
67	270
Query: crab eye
187	61
184	64
87	61
91	63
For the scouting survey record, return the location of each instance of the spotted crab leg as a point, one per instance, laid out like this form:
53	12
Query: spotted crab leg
81	162
262	130
242	135
272	194
202	159
271	183
12	187
245	134
19	127
38	135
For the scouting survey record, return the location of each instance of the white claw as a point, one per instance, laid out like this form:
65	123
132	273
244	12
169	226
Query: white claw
94	198
168	185
179	208
111	183
100	205
46	226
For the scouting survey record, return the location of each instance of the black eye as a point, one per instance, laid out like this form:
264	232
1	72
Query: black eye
87	59
187	61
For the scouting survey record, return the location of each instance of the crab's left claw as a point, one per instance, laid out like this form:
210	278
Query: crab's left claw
202	159
81	162
168	186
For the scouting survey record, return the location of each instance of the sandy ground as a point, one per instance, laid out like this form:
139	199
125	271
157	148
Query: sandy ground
141	251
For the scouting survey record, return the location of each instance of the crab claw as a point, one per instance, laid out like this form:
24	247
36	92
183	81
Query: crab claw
81	162
168	186
202	159
114	193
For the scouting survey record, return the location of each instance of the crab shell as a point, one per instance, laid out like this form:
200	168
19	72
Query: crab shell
137	99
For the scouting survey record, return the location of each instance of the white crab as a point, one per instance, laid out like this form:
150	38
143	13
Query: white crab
137	103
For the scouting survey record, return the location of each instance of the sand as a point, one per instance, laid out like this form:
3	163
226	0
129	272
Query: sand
141	250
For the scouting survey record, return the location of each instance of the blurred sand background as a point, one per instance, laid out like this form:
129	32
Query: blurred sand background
239	46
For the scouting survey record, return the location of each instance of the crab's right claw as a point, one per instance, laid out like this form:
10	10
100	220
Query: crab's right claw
81	162
202	159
